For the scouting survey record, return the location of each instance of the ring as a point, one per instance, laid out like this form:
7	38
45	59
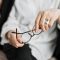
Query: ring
46	21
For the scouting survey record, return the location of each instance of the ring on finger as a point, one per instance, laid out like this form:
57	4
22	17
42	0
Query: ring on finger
46	21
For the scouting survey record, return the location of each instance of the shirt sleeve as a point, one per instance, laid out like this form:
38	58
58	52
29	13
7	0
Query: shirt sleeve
10	24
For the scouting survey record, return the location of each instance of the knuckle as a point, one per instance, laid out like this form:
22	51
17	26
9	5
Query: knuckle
50	25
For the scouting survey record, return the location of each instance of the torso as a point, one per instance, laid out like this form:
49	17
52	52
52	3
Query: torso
41	45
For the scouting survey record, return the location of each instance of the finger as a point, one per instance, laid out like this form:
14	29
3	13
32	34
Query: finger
14	42
19	39
19	45
47	23
37	21
51	23
42	22
46	27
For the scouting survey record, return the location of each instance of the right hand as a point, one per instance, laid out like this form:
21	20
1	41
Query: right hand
16	42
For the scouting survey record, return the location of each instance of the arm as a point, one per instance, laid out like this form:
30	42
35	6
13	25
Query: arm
10	25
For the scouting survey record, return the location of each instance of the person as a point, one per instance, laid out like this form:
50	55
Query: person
33	16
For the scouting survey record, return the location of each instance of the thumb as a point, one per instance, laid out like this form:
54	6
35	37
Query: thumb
37	21
19	39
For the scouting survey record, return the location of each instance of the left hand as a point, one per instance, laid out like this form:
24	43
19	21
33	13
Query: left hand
46	19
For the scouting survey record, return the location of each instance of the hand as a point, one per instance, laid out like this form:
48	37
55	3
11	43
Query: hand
46	19
16	42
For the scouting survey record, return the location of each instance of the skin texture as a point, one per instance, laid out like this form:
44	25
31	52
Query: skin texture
15	41
52	16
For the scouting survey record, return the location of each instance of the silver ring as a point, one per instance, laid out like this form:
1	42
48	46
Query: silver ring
46	21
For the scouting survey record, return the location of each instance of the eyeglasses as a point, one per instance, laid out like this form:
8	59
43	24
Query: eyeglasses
28	35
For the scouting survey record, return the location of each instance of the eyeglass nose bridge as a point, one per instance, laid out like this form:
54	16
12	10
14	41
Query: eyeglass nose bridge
31	33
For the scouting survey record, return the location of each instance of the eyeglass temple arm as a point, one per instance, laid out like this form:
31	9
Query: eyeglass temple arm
23	32
16	33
